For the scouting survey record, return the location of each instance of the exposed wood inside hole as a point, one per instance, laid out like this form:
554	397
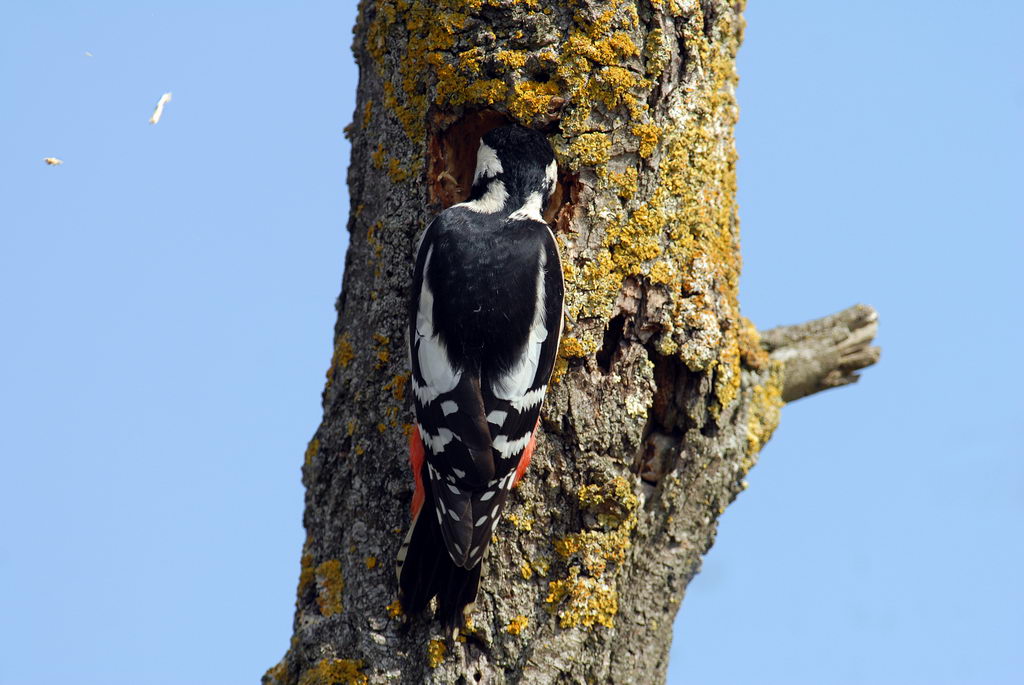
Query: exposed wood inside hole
452	161
453	156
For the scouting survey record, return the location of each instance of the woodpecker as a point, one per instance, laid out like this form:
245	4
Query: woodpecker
484	325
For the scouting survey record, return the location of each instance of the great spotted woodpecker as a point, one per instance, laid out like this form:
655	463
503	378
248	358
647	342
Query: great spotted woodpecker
484	326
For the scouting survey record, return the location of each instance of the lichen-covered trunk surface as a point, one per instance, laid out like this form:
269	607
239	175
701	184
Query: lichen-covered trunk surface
662	396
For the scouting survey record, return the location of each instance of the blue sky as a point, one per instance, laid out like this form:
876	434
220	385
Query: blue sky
168	304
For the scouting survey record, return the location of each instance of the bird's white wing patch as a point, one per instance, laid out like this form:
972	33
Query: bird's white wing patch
530	399
437	372
437	442
508	447
515	385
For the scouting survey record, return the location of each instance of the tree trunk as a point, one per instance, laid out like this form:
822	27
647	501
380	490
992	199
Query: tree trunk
663	394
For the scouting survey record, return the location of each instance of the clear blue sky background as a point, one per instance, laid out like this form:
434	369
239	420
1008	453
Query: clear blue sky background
167	299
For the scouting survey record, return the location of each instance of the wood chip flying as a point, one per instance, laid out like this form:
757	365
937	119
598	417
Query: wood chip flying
53	161
159	111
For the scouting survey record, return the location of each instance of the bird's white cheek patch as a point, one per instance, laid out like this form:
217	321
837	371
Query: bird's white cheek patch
487	162
492	201
529	210
551	174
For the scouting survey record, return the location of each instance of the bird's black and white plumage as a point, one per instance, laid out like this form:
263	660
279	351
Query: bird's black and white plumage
484	326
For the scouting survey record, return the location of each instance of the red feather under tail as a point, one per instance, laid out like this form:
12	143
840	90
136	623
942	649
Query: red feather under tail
524	461
416	463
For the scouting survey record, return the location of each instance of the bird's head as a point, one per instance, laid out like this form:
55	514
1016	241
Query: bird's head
521	160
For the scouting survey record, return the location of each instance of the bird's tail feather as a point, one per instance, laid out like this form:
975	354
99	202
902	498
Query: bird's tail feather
426	570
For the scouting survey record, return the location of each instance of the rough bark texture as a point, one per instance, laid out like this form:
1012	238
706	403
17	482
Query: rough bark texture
663	394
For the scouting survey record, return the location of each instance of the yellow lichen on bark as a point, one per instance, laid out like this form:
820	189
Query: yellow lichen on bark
572	347
589	149
436	650
682	231
520	522
335	672
647	135
278	674
306	573
587	595
752	354
342	356
586	69
330	586
517	624
583	601
397	386
764	410
531	98
311	451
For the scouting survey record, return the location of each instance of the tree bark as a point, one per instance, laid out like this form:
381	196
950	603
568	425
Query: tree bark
663	394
